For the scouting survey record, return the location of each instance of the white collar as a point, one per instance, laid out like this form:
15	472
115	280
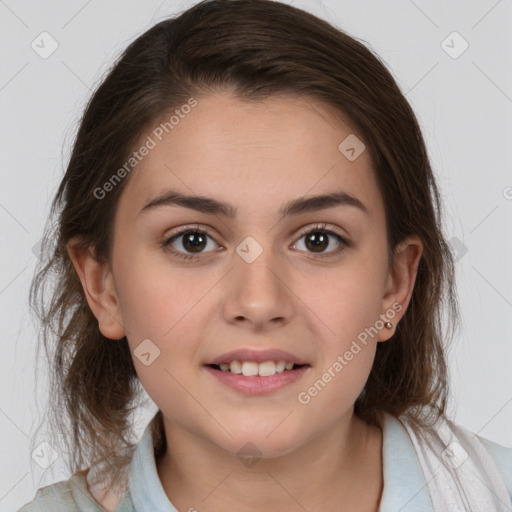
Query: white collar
404	483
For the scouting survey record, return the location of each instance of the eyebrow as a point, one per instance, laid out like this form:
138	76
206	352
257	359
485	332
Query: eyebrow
216	207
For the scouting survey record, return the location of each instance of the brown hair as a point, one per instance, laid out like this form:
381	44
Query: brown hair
255	48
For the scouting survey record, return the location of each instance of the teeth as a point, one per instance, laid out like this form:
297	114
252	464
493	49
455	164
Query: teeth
235	367
251	368
267	368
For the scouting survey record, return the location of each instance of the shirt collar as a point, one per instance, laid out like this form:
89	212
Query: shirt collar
405	487
146	489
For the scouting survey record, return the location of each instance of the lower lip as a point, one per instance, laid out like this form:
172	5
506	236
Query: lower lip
256	385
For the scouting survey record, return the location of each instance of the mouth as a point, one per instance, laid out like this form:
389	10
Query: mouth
257	372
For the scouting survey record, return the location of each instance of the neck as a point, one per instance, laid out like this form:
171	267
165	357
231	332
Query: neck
339	470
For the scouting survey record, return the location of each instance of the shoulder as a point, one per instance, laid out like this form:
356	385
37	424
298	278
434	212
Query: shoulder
56	497
74	495
490	458
443	448
502	457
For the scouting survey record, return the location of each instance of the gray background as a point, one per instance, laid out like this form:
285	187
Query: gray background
464	105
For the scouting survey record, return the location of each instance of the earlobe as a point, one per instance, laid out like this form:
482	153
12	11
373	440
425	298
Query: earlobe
98	285
400	284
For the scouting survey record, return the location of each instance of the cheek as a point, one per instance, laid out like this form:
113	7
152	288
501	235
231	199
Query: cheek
345	308
153	296
346	352
344	302
158	313
158	319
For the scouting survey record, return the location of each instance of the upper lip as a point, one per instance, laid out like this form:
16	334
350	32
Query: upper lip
258	356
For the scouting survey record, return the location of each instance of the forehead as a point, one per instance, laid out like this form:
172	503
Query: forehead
254	155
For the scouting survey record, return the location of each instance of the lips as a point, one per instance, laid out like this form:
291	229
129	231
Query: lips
260	383
257	372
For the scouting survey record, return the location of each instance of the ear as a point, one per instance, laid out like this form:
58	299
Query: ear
400	283
98	284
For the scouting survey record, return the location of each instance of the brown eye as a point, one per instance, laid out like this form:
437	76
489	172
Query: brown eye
193	242
187	242
318	239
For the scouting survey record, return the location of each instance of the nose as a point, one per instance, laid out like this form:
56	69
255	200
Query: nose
259	291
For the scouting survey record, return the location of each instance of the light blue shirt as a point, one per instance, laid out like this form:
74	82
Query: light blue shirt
405	488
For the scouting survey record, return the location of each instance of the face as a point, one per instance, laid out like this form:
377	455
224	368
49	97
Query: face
313	283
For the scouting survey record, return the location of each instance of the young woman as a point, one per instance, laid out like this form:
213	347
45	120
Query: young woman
249	230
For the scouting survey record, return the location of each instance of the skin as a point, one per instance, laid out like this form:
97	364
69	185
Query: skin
255	156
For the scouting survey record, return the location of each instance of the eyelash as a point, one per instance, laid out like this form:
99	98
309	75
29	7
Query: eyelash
166	243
